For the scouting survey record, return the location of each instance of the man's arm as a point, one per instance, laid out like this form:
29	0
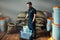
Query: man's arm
34	17
26	16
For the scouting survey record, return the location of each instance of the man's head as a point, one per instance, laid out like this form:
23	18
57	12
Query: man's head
29	4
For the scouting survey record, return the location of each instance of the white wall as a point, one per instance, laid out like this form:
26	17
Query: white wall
13	7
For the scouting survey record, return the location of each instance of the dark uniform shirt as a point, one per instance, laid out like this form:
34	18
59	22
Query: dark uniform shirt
31	13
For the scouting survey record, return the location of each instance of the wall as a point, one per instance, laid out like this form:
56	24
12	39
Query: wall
13	7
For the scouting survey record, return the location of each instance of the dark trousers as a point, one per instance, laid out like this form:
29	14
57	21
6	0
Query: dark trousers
32	26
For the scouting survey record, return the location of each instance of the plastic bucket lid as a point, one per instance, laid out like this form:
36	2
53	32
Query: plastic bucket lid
50	18
2	18
56	7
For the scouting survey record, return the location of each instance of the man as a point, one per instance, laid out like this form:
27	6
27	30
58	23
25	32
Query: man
31	18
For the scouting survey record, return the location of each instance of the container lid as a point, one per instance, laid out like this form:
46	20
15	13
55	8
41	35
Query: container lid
50	18
56	7
2	18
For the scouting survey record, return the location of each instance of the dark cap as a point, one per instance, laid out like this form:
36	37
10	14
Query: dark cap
29	3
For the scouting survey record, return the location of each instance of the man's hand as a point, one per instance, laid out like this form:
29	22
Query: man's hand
33	20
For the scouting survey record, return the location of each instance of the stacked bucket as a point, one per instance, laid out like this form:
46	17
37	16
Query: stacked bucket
2	25
49	24
56	23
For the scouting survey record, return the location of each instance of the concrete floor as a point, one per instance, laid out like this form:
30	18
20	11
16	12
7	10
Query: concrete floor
17	37
41	35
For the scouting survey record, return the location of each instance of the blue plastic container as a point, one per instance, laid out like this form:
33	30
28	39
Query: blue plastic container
56	15
49	24
26	35
56	32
